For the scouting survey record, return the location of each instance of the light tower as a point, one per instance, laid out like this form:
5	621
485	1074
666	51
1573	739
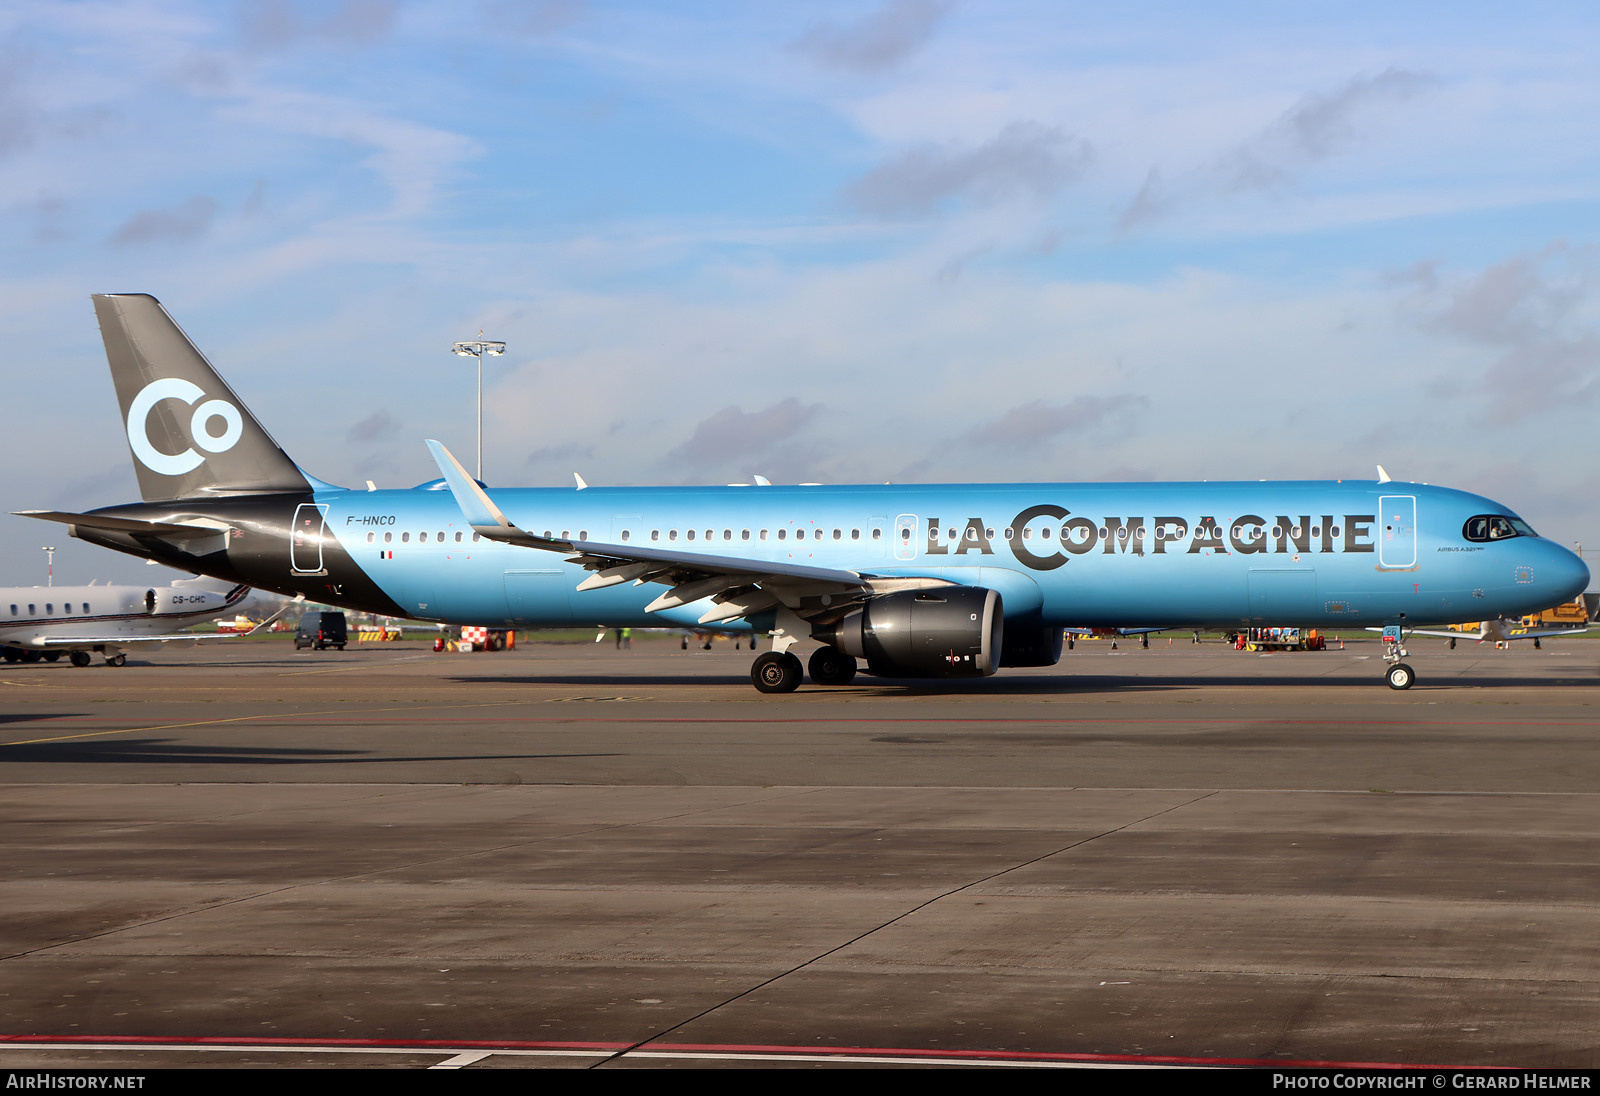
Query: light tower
477	348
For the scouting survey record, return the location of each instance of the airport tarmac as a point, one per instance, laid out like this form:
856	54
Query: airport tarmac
569	856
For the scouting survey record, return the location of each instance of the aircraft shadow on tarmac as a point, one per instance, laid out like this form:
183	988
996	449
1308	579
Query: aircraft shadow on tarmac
1022	686
149	751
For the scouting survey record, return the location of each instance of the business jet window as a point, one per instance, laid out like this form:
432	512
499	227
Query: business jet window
672	534
1495	527
655	534
689	533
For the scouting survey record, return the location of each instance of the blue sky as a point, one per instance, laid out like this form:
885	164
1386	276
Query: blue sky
846	242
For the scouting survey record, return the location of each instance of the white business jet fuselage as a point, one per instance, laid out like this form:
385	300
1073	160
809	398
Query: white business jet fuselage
44	621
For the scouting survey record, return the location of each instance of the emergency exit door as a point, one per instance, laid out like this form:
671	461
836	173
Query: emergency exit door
305	543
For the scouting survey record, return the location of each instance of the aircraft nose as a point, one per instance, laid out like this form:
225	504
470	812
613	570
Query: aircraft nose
1567	571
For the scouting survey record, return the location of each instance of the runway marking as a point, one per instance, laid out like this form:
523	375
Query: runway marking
299	719
347	669
468	1052
218	722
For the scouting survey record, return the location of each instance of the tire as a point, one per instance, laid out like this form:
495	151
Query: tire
80	658
52	656
117	659
831	666
1400	676
775	673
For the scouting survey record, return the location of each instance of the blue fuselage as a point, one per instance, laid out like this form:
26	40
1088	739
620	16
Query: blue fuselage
1092	555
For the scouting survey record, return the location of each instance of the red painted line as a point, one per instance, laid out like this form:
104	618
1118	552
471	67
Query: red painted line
274	1041
290	720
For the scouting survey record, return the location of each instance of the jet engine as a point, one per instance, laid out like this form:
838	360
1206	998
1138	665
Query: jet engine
168	600
1032	645
951	631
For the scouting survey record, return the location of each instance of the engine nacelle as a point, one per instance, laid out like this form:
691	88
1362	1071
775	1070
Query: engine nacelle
1032	645
166	600
951	631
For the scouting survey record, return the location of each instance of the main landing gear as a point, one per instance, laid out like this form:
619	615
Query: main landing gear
775	672
780	671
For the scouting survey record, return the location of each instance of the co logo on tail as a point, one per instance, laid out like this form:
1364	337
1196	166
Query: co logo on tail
175	388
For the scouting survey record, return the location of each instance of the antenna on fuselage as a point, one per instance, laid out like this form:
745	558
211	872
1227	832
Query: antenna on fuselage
1383	477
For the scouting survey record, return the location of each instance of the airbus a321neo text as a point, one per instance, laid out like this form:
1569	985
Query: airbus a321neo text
948	580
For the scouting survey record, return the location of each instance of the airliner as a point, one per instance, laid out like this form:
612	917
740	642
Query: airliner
48	621
898	581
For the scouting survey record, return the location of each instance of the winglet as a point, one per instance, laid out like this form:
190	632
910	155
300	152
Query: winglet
473	500
480	511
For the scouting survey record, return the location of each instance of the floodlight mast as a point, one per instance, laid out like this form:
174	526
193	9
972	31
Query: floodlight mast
477	348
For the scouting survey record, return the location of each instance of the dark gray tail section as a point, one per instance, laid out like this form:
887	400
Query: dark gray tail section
190	436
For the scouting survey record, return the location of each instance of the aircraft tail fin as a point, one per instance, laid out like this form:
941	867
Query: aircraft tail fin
190	436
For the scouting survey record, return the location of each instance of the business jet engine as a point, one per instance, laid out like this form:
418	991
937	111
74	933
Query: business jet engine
951	631
184	600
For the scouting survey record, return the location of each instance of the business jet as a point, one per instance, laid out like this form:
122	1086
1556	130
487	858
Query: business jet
955	580
49	621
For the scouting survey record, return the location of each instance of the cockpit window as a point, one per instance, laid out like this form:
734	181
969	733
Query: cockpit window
1495	527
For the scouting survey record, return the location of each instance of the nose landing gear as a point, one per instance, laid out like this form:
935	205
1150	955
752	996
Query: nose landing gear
1398	675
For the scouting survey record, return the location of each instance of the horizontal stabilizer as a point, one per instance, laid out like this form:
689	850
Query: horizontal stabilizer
120	525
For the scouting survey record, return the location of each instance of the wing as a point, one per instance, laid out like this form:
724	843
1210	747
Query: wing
1116	631
738	587
169	637
121	640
